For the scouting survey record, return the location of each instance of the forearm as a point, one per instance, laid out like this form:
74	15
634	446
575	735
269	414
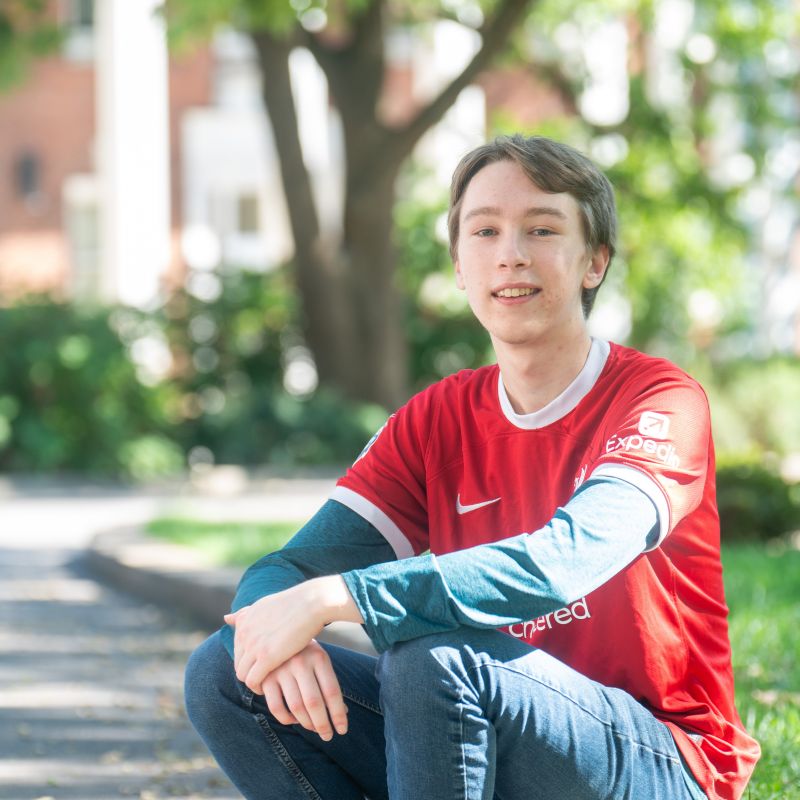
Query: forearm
512	580
334	540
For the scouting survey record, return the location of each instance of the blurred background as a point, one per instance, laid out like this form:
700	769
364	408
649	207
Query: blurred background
222	223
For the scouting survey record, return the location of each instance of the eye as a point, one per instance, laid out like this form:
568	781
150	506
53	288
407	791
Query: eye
542	232
485	232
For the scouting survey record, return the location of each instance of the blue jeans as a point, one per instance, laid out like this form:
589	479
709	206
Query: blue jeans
470	714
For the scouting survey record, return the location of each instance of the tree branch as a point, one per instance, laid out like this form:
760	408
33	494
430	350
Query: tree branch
495	33
357	63
273	56
553	75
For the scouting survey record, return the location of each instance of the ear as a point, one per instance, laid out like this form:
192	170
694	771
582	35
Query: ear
597	268
459	275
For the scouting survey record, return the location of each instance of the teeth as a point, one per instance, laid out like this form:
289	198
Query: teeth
514	292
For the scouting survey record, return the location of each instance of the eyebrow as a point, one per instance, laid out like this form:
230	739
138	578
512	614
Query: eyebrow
534	211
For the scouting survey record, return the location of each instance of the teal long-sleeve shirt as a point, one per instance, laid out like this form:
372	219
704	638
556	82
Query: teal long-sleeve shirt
605	525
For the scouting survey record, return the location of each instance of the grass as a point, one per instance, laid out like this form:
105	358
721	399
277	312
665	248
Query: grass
227	543
763	592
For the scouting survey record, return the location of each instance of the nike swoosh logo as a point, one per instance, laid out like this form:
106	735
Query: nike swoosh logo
474	506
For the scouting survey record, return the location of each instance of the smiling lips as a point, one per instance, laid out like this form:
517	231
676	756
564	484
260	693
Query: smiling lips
516	291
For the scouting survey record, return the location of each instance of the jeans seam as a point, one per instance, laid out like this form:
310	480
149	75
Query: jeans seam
246	695
362	702
461	739
605	723
288	762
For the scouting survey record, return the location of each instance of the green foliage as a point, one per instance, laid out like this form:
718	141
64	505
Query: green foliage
70	398
754	501
231	354
121	393
191	21
674	242
754	404
26	33
225	543
682	232
685	230
761	586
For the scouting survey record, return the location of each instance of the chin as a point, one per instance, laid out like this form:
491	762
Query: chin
516	338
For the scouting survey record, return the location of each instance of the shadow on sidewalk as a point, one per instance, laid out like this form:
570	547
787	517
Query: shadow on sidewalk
90	689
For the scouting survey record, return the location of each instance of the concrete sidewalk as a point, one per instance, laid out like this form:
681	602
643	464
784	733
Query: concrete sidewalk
90	688
91	676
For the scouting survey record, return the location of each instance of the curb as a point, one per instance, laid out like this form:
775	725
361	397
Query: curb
180	579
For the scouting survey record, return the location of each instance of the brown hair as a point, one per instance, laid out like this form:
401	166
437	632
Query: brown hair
553	167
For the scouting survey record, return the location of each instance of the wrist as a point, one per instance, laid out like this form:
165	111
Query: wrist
334	601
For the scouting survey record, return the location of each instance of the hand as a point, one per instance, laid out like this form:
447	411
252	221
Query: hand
275	628
271	631
305	691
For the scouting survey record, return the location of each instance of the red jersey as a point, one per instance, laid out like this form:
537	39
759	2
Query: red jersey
457	467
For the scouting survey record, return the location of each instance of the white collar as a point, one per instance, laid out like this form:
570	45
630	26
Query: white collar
567	400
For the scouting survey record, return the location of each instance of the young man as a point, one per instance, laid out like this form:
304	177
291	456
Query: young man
566	635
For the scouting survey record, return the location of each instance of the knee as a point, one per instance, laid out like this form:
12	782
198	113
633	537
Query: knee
209	680
417	669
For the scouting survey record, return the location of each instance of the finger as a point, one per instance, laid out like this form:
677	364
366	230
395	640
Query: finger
240	653
238	643
294	700
331	693
232	617
273	696
314	703
256	674
245	665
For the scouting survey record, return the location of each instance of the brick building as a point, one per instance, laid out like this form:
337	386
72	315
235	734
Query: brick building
50	194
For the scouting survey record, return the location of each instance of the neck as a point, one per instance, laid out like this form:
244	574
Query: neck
535	375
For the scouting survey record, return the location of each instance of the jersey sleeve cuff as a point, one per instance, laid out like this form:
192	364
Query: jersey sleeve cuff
642	481
376	517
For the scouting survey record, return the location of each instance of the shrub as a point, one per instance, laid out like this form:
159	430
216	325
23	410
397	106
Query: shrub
754	404
754	501
120	393
231	353
71	399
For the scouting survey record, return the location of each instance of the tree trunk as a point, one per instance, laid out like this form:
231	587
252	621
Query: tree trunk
321	274
376	304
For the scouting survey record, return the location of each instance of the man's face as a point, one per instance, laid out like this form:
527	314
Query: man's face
522	258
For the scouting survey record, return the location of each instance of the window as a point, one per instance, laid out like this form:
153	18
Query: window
28	176
80	14
78	17
80	200
248	214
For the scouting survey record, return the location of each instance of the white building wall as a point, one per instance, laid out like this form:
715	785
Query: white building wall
228	157
133	149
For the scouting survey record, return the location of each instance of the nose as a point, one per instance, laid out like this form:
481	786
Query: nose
512	252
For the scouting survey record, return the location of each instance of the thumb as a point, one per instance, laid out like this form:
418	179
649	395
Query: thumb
230	619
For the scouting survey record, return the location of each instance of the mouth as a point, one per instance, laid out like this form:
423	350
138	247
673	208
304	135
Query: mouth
516	291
